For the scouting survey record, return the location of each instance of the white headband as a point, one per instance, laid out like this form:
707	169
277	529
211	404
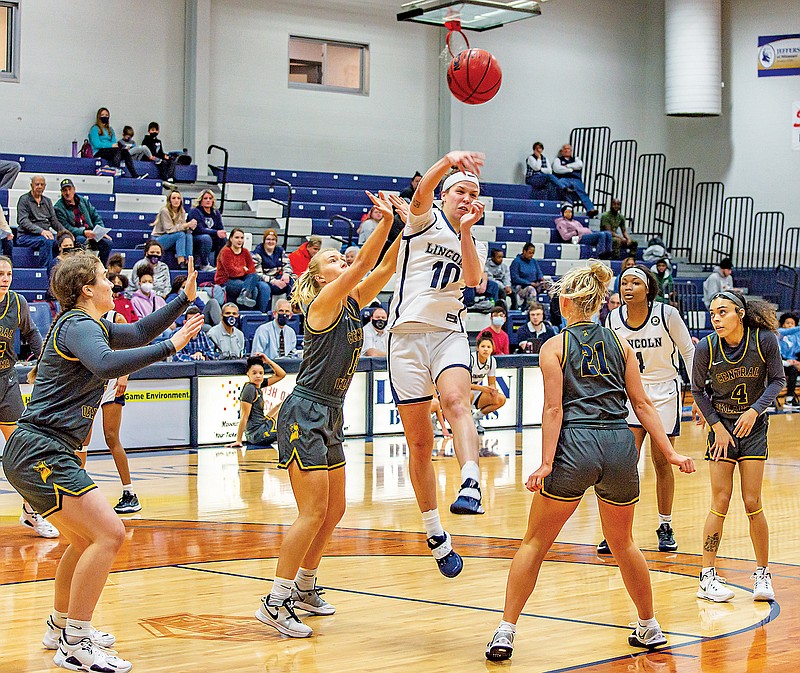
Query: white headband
460	177
633	271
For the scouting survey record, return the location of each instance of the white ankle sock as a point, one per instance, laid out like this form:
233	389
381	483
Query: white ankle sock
471	471
76	630
648	623
432	523
59	618
281	590
127	488
664	518
507	626
305	579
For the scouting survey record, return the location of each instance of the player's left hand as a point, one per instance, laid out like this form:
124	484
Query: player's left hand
191	280
401	206
475	213
745	423
122	386
381	202
536	480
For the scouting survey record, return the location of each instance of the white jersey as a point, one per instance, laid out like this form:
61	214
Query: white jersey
657	342
429	285
480	371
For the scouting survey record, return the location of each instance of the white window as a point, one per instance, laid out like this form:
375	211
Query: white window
328	65
9	41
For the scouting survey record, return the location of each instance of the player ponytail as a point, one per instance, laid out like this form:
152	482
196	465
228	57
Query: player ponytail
586	286
66	285
759	313
307	288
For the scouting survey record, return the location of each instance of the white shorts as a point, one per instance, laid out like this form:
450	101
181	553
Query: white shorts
416	360
666	397
110	394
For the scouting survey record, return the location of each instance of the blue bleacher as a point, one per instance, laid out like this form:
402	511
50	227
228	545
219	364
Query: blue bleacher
36	163
31	279
133	186
41	315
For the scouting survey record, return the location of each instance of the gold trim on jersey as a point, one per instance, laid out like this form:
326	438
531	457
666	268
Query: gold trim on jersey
758	346
744	352
62	320
8	303
333	325
565	348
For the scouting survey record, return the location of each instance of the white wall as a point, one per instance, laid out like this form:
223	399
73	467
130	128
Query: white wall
78	56
264	123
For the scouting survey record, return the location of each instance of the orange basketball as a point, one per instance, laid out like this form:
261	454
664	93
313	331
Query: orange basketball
474	76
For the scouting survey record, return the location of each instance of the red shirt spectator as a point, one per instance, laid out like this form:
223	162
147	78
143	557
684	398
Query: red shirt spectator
300	258
496	331
123	306
233	265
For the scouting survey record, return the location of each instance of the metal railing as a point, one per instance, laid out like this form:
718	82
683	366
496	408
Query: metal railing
351	225
224	173
790	285
287	206
689	302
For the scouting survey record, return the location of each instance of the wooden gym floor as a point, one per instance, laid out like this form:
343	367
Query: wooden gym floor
202	550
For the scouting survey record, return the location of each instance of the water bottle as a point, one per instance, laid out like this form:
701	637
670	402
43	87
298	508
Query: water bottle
74	149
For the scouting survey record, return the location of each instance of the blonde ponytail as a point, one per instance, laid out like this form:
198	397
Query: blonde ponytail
307	288
586	286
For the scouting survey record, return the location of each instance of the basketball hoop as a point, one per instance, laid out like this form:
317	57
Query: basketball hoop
455	37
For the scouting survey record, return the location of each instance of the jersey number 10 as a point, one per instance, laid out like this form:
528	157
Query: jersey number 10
444	275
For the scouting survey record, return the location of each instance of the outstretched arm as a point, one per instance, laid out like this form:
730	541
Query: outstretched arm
465	161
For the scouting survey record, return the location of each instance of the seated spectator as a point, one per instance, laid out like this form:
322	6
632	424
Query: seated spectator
485	398
571	230
408	192
211	310
105	146
276	339
37	222
200	347
116	263
300	258
532	335
627	263
255	426
656	249
663	274
172	230
145	300
228	339
209	234
721	278
122	304
375	335
272	264
568	170
6	235
539	175
165	163
80	217
496	331
66	246
526	275
236	272
368	223
350	254
153	252
138	152
482	297
611	302
614	221
500	273
9	170
789	342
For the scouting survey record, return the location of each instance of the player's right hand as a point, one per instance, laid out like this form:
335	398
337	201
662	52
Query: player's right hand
722	439
469	161
536	480
697	416
234	445
684	463
190	329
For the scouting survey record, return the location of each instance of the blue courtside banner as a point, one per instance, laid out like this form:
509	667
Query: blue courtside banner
778	55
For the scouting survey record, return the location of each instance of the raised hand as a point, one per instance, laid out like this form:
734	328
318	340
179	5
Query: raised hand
469	161
381	202
475	213
191	280
400	205
190	329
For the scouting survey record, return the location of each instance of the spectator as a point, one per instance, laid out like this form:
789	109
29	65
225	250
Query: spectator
532	335
255	426
408	192
368	223
570	229
608	305
228	339
116	263
300	258
539	174
9	170
350	254
663	274
236	272
721	278
138	152
153	252
568	170
80	217
375	335
210	309
496	331
145	300
276	339
122	304
487	290
172	230
36	221
627	263
6	235
209	234
656	249
66	246
613	221
789	342
200	347
104	143
165	163
526	275
500	273
273	264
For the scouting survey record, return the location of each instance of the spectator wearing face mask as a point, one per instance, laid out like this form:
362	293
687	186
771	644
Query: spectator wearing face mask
200	347
152	257
375	335
276	339
166	164
122	304
228	339
145	300
496	331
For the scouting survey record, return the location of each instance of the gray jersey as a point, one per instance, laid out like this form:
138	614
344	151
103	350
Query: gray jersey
252	394
738	378
330	356
593	361
14	315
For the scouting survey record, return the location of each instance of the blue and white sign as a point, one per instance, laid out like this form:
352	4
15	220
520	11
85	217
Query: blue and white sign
778	55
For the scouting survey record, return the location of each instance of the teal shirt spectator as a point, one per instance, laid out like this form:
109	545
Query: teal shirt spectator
99	142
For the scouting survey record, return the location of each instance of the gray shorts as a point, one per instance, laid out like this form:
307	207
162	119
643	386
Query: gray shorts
261	434
603	458
752	447
11	406
310	433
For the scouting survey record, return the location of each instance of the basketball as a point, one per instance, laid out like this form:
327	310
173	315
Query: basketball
474	76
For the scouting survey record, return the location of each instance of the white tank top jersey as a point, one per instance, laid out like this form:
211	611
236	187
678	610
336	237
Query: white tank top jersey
480	371
429	285
657	342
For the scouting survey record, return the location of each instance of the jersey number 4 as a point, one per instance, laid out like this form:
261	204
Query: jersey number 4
739	394
594	360
444	275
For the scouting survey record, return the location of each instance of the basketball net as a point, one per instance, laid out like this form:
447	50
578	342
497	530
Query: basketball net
456	41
